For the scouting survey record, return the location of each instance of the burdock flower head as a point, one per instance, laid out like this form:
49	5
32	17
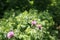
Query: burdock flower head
39	26
33	22
10	34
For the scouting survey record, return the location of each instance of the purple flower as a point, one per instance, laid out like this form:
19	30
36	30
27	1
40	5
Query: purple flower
10	34
39	26
33	22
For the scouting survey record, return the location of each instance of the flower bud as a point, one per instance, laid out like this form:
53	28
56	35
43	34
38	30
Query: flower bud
39	26
10	34
33	22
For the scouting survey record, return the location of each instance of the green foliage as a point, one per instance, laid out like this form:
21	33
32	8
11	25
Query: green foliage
23	5
55	11
17	15
13	4
22	27
42	5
